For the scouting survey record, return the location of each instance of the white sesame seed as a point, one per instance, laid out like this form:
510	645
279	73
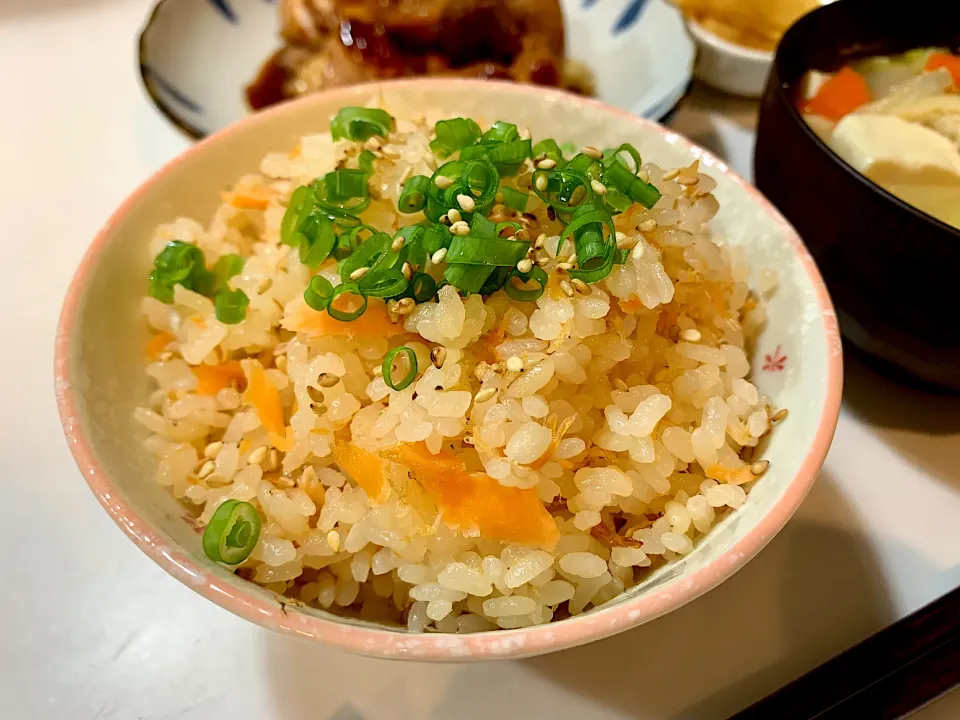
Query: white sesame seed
638	251
213	449
438	256
541	239
359	273
541	183
454	216
372	143
671	174
407	271
208	467
591	151
398	244
564	266
484	395
620	236
626	243
567	288
333	540
691	335
598	187
460	228
514	364
620	384
759	467
275	458
405	306
647	226
327	380
525	265
580	286
467	203
779	415
644	176
572	260
437	356
443	182
546	164
258	455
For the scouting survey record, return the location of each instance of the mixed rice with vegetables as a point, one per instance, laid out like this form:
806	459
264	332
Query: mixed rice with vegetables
453	378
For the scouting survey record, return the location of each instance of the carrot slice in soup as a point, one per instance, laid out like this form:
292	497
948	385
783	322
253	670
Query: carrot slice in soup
475	501
945	60
840	95
365	468
157	344
211	379
262	394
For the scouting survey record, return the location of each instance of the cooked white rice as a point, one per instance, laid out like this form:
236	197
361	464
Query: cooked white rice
624	413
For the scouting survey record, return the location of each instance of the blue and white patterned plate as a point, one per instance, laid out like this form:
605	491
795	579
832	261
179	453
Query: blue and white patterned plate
197	56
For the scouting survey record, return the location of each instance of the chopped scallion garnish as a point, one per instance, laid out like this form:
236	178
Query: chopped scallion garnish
413	197
344	315
388	361
453	135
231	306
318	293
525	294
227	267
232	533
359	124
516	199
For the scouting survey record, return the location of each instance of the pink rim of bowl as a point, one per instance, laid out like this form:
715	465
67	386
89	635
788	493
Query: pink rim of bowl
368	640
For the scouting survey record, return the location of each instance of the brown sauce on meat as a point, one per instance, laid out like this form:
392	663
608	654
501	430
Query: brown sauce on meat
348	41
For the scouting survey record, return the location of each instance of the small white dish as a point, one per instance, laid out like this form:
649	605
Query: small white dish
729	67
197	56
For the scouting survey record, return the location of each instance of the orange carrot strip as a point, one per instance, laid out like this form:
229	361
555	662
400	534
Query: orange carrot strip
840	95
211	379
945	60
157	344
475	501
249	200
365	468
373	323
262	394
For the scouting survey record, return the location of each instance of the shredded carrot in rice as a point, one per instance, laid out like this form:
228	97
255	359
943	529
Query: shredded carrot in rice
157	344
262	394
300	317
365	468
720	473
474	501
211	379
258	199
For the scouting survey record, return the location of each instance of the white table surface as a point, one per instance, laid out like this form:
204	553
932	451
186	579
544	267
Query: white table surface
91	629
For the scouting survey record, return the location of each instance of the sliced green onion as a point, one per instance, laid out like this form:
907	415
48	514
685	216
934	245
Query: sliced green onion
595	255
232	533
561	188
231	306
495	281
453	135
617	175
495	252
413	197
482	178
388	361
468	279
383	283
516	199
319	293
319	243
359	124
612	155
508	156
501	132
586	165
180	263
422	287
474	151
342	185
366	253
481	226
365	162
227	267
521	294
300	203
346	315
550	149
615	201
